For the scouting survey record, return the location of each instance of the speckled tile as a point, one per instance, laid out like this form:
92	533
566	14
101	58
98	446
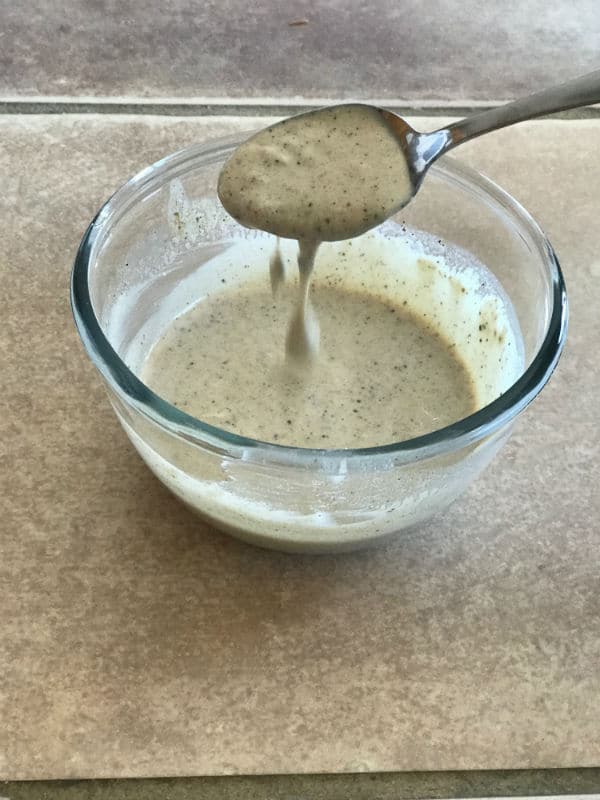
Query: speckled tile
135	641
445	50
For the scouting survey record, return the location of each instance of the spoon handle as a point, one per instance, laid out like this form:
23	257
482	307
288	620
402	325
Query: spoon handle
581	91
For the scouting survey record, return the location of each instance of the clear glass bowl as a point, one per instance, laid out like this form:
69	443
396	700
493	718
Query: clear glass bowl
146	239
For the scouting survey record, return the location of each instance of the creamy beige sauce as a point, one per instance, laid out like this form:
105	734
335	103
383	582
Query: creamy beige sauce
276	269
327	175
382	375
302	340
333	504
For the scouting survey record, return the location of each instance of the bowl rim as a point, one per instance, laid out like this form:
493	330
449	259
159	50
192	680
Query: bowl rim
133	392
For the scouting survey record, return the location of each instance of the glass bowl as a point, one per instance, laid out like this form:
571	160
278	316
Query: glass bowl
163	224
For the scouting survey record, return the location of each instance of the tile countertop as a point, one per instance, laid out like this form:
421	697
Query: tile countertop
412	51
135	641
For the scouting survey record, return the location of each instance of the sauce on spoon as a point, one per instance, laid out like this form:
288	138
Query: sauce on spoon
327	175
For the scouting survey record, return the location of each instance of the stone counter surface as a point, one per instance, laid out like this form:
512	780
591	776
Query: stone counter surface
136	641
433	52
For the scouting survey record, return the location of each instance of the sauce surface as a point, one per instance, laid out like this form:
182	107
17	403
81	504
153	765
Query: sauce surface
327	175
382	375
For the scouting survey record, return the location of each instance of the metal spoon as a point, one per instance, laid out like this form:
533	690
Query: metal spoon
332	174
422	149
